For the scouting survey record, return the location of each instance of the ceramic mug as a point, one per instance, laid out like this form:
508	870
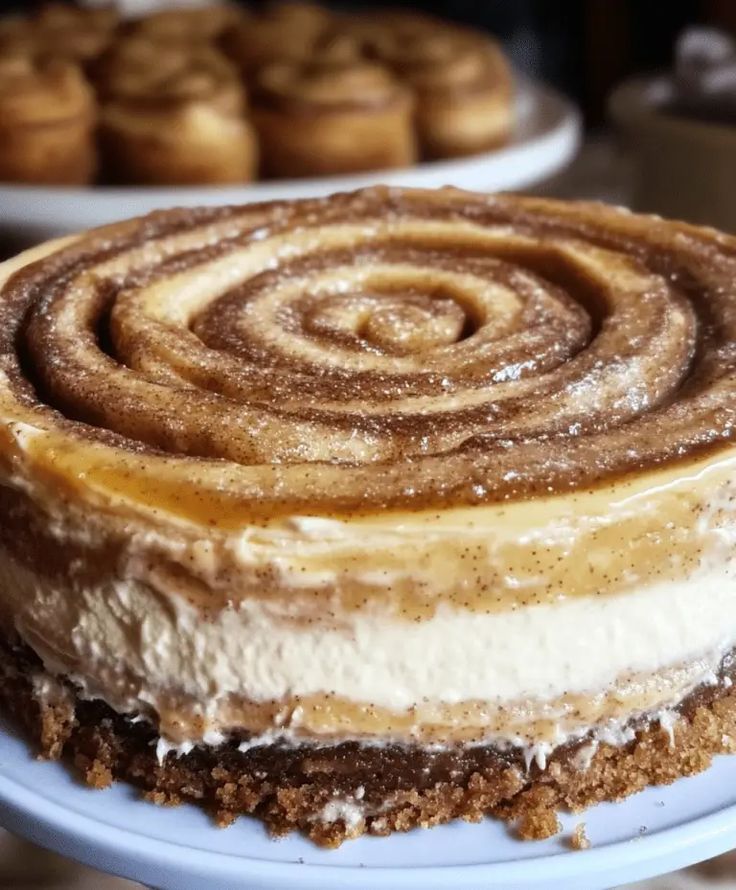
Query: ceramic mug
683	168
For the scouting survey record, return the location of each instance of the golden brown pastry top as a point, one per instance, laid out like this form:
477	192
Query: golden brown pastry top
285	32
387	348
300	87
72	32
199	23
158	73
444	59
41	90
298	14
67	16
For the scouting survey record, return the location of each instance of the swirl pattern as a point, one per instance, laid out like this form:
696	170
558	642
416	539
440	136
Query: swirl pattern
386	348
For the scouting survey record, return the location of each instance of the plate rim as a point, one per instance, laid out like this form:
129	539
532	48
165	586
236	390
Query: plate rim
535	156
26	811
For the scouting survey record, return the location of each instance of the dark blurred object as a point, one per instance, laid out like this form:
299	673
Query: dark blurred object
584	47
705	76
679	129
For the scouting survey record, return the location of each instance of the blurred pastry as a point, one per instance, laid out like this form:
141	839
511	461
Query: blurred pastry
303	11
381	29
299	14
47	117
72	32
283	32
174	115
461	82
463	92
318	118
195	23
334	92
68	16
17	36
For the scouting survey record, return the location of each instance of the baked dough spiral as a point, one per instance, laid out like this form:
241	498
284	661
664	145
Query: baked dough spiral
385	348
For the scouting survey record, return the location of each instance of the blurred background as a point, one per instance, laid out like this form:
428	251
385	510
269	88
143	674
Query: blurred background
657	102
652	83
583	47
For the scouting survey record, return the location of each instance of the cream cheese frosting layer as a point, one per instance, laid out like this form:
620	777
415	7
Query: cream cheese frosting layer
540	674
376	627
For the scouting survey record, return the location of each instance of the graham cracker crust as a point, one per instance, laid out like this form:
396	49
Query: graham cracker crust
332	793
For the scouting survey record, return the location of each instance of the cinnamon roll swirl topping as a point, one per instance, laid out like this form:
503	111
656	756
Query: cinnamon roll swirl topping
385	348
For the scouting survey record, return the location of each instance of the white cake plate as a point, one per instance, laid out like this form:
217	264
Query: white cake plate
546	137
654	832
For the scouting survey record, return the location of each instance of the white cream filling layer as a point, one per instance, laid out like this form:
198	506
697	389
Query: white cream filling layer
134	647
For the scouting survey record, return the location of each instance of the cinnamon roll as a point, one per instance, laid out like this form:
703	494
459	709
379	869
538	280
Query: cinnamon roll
173	114
47	117
461	82
319	118
373	511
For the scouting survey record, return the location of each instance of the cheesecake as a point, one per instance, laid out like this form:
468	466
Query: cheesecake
372	512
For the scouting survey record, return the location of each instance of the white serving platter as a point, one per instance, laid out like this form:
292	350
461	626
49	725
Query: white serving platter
656	831
546	137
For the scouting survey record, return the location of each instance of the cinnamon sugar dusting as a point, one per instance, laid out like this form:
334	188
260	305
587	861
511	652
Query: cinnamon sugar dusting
585	342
